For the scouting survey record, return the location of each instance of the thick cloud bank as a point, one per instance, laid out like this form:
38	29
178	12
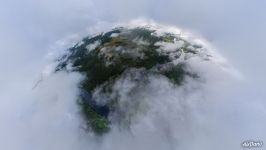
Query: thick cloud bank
38	107
210	113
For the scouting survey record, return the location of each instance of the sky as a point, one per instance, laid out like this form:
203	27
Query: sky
31	29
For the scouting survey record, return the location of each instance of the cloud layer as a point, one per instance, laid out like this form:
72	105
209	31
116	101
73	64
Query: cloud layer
219	115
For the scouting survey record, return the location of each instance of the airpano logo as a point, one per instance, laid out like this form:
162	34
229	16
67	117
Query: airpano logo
252	144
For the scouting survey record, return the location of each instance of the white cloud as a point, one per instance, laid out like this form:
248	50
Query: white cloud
225	111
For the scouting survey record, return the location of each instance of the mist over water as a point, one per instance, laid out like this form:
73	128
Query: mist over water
38	108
